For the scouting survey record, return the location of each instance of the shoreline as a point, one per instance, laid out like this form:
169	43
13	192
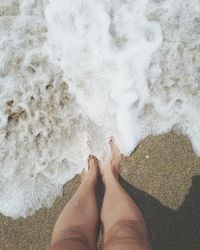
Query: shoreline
162	168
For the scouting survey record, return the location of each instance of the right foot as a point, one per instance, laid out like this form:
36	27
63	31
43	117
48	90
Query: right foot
113	167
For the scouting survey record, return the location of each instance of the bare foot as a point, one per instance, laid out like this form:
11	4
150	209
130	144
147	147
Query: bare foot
113	167
91	175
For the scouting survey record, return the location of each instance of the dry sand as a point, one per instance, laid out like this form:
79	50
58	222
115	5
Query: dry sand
163	176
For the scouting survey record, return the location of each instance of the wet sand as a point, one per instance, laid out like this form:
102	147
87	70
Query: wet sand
162	175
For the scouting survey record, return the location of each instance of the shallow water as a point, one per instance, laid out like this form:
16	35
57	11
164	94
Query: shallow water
74	73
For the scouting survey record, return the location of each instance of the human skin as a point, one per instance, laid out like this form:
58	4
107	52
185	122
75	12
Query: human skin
122	223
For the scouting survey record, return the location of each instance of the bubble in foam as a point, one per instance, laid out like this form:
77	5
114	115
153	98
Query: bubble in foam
74	73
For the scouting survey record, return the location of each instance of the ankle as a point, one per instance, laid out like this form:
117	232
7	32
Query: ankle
89	182
109	178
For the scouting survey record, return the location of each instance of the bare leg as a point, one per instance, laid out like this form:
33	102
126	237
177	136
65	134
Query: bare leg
123	224
76	227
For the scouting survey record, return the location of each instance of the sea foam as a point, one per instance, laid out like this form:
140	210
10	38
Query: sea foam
74	73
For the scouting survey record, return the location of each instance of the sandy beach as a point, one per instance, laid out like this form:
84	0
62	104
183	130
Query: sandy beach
162	175
74	73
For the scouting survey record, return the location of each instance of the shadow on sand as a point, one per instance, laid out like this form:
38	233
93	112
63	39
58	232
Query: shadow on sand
170	229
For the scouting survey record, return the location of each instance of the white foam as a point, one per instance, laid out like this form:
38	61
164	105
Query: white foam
74	73
110	56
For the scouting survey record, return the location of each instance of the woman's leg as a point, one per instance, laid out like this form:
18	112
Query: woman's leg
122	222
76	227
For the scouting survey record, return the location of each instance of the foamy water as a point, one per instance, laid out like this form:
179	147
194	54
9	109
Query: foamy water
74	73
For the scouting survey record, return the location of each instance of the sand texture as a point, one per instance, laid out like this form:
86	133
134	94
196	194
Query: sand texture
163	176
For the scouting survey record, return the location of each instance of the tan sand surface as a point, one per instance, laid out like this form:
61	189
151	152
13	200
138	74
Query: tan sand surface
162	175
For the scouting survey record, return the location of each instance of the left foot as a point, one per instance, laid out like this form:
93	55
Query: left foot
91	175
